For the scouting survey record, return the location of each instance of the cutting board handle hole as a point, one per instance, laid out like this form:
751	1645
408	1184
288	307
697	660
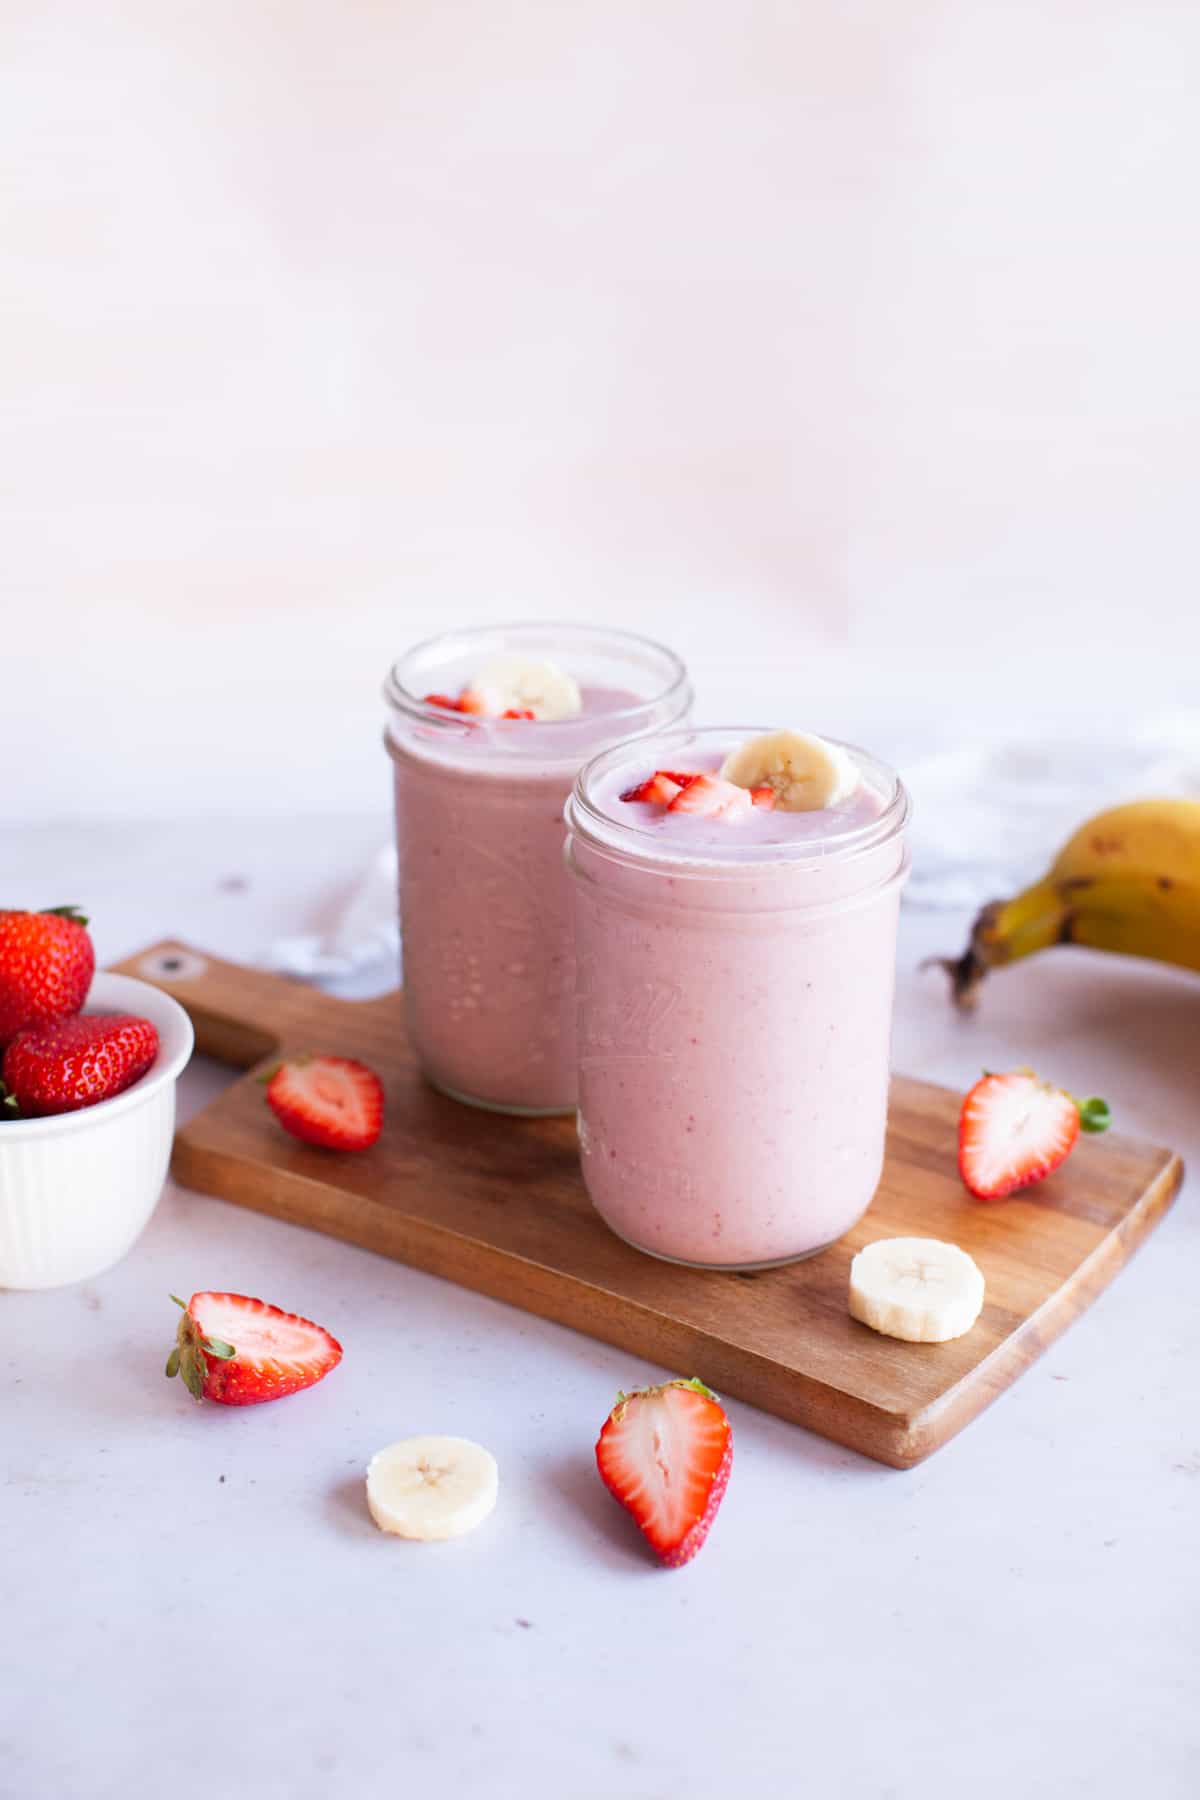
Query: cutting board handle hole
173	963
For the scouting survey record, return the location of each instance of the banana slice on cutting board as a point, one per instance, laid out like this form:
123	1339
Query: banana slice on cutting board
918	1289
805	771
431	1487
510	683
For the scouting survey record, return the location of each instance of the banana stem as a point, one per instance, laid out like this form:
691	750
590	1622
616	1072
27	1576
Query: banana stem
1004	931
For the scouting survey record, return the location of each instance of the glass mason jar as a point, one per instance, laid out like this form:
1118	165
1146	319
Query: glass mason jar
734	1012
485	913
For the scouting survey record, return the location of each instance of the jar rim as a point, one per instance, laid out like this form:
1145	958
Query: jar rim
676	691
639	845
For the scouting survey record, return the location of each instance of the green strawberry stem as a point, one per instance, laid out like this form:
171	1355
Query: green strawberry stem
67	912
1094	1114
187	1356
693	1382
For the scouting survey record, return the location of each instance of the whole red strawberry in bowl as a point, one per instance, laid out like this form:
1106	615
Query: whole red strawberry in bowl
75	1062
46	967
87	1117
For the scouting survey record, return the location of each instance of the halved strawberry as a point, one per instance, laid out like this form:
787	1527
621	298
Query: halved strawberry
328	1100
665	1453
764	798
658	789
240	1351
709	797
518	712
444	701
1015	1129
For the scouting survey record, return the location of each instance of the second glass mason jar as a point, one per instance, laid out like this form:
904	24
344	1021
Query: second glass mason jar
486	925
735	987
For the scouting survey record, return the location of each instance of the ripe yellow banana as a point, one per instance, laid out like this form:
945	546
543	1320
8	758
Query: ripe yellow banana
1129	880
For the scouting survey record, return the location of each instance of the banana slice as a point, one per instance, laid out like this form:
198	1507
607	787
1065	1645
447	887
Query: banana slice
510	684
916	1288
805	772
431	1487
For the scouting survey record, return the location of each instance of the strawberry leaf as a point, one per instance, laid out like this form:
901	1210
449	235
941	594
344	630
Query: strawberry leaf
191	1367
218	1348
172	1368
67	912
697	1387
1094	1114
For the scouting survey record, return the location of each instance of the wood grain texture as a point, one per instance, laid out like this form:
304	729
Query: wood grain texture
498	1205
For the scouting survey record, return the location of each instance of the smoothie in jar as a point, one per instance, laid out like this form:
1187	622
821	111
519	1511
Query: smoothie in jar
736	898
487	732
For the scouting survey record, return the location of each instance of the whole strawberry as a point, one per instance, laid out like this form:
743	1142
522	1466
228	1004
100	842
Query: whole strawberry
46	967
239	1351
77	1062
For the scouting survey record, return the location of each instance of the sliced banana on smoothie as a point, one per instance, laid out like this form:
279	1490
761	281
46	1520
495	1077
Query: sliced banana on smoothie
431	1488
919	1289
510	685
805	772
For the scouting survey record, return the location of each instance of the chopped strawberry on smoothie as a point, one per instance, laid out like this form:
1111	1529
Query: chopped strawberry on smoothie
708	797
658	789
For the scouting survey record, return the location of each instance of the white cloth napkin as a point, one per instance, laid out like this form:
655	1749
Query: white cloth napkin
987	818
361	939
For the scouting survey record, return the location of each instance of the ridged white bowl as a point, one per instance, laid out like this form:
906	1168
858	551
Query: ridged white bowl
77	1189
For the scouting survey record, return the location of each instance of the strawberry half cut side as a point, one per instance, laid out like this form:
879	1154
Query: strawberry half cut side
1016	1129
665	1453
239	1351
332	1101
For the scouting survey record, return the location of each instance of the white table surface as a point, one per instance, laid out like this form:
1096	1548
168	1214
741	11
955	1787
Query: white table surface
193	1600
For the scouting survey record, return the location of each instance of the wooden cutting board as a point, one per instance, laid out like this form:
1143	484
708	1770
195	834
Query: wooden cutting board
498	1205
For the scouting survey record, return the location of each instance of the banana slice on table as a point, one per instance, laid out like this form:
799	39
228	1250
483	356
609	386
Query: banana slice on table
916	1288
542	688
431	1487
806	772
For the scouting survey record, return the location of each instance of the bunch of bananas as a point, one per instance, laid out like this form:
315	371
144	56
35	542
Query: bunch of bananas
1129	880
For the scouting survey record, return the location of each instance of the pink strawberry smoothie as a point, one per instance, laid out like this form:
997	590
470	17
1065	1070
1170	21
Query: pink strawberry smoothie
734	1008
485	905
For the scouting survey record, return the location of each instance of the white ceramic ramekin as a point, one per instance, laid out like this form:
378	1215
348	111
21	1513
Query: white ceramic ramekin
76	1189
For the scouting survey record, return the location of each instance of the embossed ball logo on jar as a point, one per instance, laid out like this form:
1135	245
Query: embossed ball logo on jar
620	1020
